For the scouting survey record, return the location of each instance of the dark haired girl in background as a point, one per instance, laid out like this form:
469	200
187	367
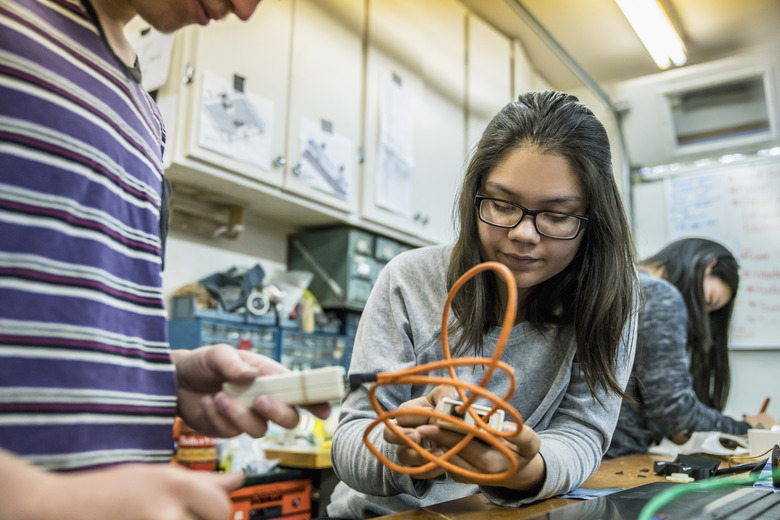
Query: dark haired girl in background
681	373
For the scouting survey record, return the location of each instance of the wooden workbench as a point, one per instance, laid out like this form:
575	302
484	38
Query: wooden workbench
626	472
313	458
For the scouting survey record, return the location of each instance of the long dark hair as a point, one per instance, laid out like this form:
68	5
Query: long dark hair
683	263
593	297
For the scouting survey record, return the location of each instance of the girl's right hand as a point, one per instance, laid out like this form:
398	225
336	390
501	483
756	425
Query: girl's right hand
409	424
762	420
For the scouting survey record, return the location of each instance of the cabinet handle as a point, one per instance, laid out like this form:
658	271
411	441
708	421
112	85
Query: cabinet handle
189	74
298	169
280	161
425	221
417	216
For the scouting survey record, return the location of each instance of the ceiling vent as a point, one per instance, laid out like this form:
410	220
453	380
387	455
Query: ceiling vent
724	107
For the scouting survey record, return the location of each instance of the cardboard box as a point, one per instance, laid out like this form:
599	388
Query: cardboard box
762	441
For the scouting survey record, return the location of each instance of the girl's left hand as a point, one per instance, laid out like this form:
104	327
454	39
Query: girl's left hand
482	458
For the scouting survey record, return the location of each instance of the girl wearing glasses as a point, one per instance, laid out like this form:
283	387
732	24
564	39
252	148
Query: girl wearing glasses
538	196
681	372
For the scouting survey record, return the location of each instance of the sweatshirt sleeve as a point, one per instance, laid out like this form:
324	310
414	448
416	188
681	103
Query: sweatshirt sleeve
663	374
384	343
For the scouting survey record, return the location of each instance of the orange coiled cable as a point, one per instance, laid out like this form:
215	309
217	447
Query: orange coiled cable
481	429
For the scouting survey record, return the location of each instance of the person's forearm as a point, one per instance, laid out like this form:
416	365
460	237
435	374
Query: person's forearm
531	478
530	483
19	498
357	466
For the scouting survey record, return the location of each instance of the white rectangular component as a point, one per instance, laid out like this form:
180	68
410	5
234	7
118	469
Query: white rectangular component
449	407
762	441
295	388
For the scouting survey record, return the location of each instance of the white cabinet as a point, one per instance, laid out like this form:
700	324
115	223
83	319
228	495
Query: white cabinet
257	51
296	62
524	76
418	47
489	76
317	77
326	96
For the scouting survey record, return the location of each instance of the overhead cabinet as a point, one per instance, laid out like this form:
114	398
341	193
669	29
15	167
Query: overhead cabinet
321	112
415	130
489	76
277	100
326	91
231	93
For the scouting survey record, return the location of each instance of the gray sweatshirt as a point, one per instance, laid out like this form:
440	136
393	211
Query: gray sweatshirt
662	384
401	328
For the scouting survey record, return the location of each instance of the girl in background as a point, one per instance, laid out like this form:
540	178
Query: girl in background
538	196
681	373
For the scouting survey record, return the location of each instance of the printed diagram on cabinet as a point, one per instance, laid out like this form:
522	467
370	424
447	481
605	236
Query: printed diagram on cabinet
326	158
234	123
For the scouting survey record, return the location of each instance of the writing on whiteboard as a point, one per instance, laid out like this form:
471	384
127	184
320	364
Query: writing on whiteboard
738	206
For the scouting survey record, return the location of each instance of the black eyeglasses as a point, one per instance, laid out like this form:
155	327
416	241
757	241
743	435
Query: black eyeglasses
550	224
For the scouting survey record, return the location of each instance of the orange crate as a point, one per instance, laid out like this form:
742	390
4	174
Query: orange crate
290	500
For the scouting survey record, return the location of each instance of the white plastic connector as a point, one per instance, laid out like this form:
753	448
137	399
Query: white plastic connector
450	406
295	388
680	477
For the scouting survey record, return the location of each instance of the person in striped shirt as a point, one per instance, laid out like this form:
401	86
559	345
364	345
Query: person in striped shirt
89	388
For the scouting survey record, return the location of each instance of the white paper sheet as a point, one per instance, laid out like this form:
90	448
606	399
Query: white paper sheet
327	159
395	160
235	124
154	54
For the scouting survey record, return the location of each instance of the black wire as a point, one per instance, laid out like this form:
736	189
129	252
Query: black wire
751	466
356	380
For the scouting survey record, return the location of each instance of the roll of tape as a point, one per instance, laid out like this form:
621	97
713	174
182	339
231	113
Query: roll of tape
257	303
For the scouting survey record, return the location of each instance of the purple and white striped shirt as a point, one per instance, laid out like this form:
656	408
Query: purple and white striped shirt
86	378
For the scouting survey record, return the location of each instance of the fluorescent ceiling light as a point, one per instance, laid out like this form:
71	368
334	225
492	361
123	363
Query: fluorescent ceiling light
653	27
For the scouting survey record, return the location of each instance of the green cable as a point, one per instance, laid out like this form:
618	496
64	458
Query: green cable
666	496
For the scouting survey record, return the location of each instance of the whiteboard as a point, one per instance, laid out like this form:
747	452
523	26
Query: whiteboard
738	205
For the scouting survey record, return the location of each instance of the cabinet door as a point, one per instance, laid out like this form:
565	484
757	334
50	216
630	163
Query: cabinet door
524	76
417	49
326	95
233	107
489	76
